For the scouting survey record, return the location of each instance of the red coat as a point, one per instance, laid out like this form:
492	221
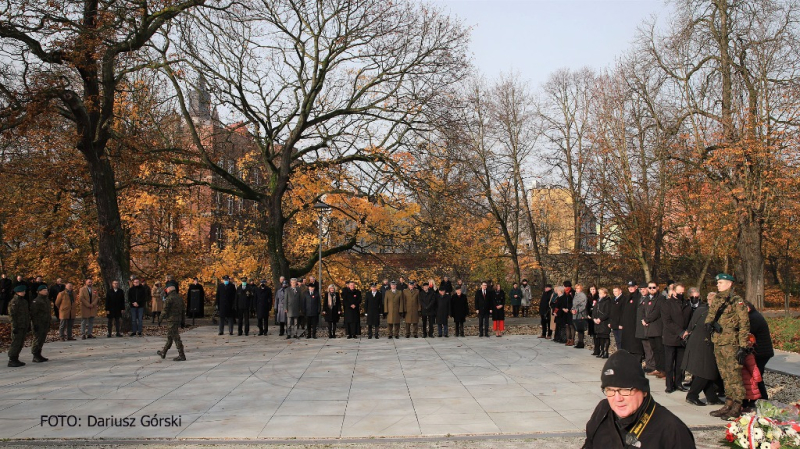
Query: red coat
751	377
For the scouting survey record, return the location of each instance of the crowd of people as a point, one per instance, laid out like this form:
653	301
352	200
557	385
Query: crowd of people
673	331
300	305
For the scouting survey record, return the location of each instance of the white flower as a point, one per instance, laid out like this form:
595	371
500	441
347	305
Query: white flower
765	445
758	434
734	429
777	432
744	420
791	432
742	442
763	422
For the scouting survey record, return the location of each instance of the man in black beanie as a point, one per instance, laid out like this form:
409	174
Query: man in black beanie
630	417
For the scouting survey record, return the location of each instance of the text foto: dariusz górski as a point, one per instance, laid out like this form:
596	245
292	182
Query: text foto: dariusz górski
110	421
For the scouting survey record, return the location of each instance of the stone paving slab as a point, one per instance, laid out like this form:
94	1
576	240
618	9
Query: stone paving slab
269	387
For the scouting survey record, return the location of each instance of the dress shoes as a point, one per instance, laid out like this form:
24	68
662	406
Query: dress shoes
696	402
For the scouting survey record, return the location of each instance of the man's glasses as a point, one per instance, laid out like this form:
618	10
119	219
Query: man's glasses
610	392
652	288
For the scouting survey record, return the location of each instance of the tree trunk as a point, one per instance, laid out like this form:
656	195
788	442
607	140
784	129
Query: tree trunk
278	263
750	250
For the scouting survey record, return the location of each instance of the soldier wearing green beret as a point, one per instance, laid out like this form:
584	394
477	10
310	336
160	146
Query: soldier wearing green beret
20	321
728	324
40	318
173	314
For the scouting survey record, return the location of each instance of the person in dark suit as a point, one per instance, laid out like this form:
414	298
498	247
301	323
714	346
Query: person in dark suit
244	300
484	299
628	322
427	302
460	309
443	311
331	309
373	306
226	296
615	322
115	305
499	310
53	292
351	303
263	306
195	295
311	303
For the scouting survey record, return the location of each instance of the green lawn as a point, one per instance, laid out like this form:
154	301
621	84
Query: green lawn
785	333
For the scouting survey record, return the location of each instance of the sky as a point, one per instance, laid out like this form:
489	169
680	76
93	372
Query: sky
537	37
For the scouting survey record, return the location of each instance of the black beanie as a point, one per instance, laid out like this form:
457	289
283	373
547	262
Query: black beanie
624	370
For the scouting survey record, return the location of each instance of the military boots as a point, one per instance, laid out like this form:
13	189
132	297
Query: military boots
724	410
734	412
14	363
180	358
38	358
162	354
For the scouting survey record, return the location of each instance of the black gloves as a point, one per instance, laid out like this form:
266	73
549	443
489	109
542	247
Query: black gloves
385	315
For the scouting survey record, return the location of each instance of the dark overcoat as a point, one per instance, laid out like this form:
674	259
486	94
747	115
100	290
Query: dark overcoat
602	312
427	302
460	307
699	358
349	298
332	313
630	324
499	300
373	305
263	301
672	315
443	307
226	296
115	303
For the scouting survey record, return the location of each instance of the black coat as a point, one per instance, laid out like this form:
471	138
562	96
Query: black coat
499	299
427	302
6	289
226	296
617	308
332	313
672	315
564	302
460	307
760	329
139	295
602	311
448	286
373	305
544	302
443	307
699	358
115	303
483	303
663	431
652	316
244	299
629	323
351	297
263	301
200	292
310	303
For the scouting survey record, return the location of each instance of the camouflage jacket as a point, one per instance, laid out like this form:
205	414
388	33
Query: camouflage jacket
19	311
734	321
40	309
174	308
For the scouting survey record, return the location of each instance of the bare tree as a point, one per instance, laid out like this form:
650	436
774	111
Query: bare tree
565	110
337	85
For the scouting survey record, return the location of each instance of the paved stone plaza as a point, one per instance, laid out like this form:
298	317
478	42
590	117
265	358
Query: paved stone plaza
270	387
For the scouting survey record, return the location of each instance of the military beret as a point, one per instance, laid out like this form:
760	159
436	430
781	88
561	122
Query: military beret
171	284
724	277
20	288
41	287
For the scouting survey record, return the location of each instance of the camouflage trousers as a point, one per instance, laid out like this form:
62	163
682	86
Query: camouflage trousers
40	335
17	342
731	372
173	335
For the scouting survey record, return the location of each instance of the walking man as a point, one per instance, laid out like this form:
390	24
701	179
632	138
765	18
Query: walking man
40	319
174	313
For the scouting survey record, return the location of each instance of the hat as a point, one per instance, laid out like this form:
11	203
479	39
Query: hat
171	284
458	287
624	370
226	278
393	282
285	284
567	284
263	281
670	282
643	285
20	288
411	283
724	277
441	288
373	284
633	284
41	287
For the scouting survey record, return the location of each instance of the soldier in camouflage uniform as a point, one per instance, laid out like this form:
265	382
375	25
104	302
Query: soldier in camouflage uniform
40	318
729	335
18	309
173	314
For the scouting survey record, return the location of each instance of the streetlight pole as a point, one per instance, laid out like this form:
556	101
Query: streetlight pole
321	208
